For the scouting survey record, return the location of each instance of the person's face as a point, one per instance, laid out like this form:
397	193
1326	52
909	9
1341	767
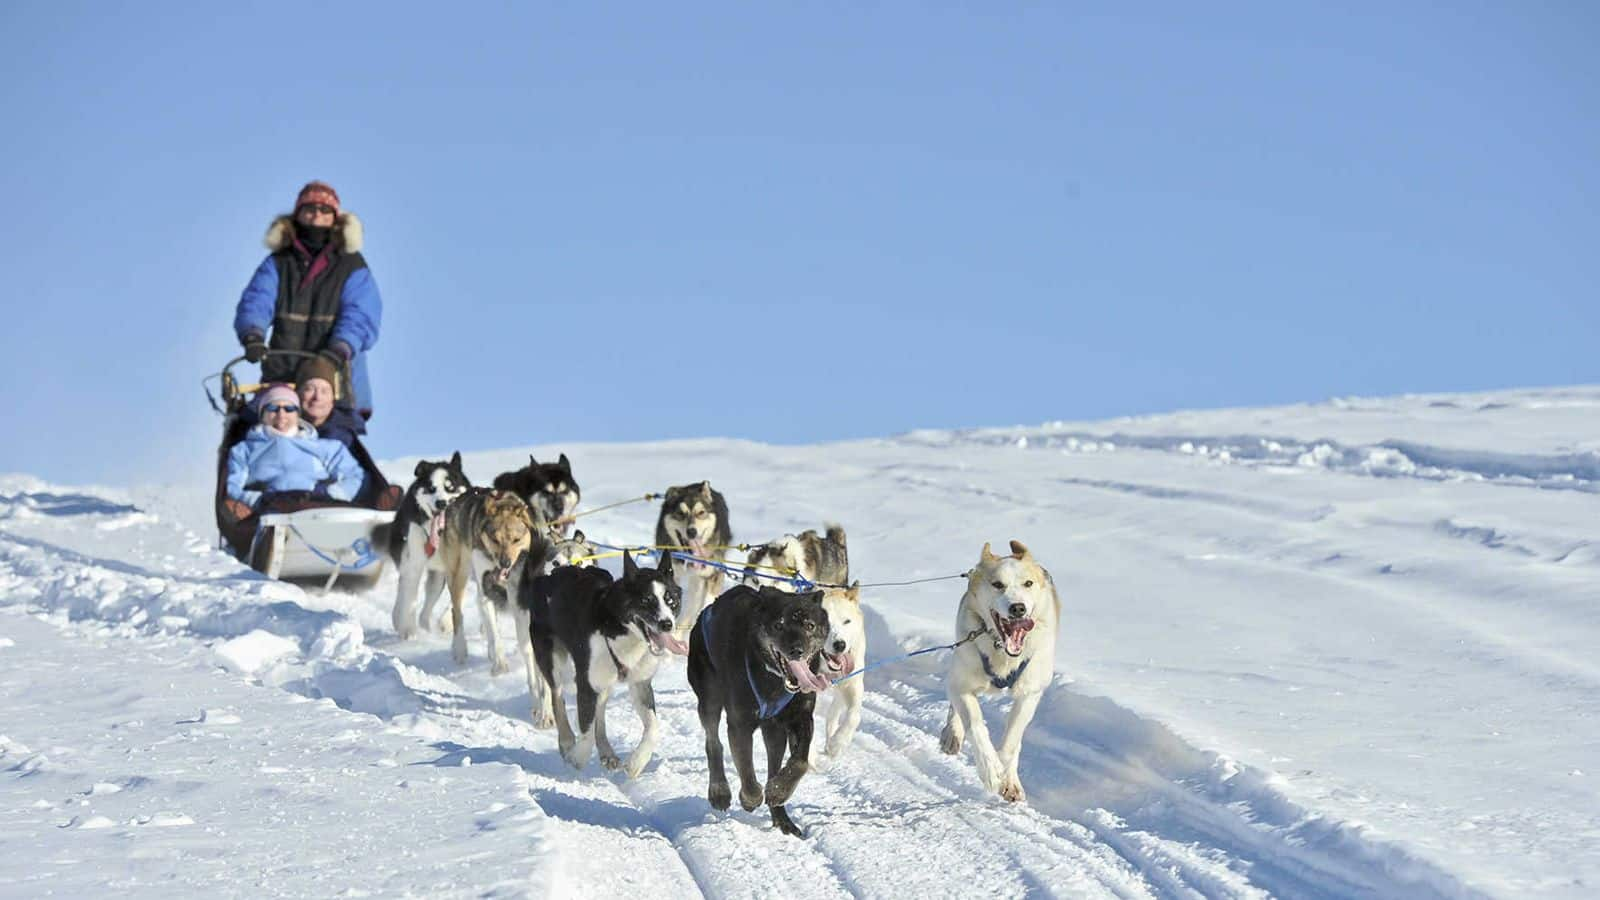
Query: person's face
315	214
316	399
281	416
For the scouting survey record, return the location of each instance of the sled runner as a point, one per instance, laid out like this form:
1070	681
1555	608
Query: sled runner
296	534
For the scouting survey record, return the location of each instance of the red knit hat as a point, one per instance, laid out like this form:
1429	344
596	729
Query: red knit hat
318	192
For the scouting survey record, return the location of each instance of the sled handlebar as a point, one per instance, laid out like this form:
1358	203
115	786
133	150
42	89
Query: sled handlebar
233	391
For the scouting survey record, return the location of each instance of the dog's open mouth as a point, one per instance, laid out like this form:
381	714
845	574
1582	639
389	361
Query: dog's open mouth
1013	632
837	664
663	642
798	674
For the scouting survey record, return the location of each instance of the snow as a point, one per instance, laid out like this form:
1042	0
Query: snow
1330	650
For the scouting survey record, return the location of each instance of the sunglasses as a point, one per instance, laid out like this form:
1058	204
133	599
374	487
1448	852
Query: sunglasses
280	407
319	208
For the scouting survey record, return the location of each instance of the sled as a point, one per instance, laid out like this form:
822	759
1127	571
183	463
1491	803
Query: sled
295	534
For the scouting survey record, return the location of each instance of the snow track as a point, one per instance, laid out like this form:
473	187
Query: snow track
1275	679
893	816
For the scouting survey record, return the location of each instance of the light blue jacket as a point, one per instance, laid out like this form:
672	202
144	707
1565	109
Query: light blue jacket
266	461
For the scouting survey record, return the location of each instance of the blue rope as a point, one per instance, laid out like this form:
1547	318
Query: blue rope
801	583
361	546
804	584
904	656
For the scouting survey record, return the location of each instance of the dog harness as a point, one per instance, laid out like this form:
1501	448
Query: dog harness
764	709
1003	684
622	670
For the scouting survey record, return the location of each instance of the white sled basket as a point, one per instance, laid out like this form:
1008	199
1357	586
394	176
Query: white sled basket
328	542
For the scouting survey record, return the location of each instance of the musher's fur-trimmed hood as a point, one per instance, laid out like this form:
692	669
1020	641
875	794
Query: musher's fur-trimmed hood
347	233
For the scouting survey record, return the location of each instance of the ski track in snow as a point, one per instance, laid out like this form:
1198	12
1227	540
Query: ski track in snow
1119	806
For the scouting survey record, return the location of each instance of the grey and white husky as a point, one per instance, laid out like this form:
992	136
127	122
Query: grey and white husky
820	559
696	517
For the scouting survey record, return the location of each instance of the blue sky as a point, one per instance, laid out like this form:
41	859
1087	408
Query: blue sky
797	223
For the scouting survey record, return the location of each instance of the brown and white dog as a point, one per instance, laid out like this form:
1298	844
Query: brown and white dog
1014	601
695	516
485	531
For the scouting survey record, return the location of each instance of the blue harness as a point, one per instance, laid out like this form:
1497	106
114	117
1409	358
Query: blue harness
1003	684
766	709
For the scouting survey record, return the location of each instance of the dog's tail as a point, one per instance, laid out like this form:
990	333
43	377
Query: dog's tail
835	533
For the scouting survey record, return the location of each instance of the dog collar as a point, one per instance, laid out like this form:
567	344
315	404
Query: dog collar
1003	684
622	670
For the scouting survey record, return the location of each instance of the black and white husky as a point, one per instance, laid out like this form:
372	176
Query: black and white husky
696	517
596	632
548	488
414	538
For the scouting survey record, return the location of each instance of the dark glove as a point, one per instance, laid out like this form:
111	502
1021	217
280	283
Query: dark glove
254	347
338	353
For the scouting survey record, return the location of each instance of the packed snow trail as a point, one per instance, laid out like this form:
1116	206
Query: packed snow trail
890	816
1277	678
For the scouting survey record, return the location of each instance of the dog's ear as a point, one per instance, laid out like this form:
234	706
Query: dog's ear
565	466
1019	550
664	565
577	535
629	567
422	468
854	593
455	460
705	489
814	597
988	555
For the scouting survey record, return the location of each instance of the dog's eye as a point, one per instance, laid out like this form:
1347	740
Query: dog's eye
1027	584
998	585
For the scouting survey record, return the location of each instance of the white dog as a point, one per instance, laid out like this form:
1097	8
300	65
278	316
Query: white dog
1014	601
844	652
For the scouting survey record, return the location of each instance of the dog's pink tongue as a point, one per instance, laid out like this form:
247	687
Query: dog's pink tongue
666	641
1016	634
807	679
847	664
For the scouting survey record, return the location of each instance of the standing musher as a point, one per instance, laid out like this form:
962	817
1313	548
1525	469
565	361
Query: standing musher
314	293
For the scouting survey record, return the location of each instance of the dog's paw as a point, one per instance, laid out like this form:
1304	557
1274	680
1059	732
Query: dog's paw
636	763
950	741
458	652
1011	790
750	797
780	818
406	632
610	761
990	773
499	667
719	796
542	719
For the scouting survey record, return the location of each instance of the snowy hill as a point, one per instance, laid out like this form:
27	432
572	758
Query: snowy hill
1333	650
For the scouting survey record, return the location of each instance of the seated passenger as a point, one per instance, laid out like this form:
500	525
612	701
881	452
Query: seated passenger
283	453
318	406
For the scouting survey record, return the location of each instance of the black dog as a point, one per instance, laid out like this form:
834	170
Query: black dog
609	631
548	488
754	654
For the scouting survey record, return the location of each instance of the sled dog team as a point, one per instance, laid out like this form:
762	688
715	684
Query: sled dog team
757	654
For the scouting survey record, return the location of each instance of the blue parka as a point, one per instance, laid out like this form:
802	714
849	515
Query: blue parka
266	461
343	284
